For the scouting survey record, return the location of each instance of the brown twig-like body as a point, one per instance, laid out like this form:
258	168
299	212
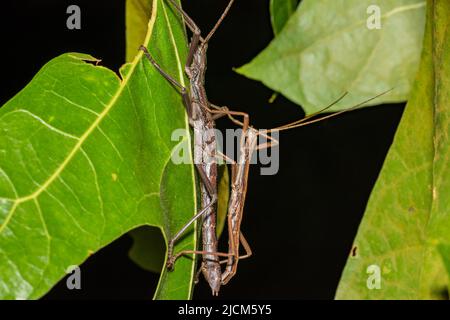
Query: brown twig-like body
201	118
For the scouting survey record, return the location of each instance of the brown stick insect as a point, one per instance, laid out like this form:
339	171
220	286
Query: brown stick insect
202	115
201	118
239	177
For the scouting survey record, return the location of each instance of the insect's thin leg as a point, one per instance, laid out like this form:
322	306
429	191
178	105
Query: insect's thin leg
212	105
245	122
225	111
248	250
196	33
230	114
174	82
233	244
273	142
231	268
212	193
194	28
195	252
197	274
193	46
218	116
222	156
208	185
224	14
172	241
187	19
219	112
159	68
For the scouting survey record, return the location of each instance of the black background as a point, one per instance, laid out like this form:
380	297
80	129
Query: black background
300	222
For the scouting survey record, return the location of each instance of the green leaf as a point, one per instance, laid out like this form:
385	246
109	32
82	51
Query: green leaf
86	157
407	220
223	189
149	248
326	49
137	15
280	11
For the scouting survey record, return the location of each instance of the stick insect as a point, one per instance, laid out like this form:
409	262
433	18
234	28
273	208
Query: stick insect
201	118
240	170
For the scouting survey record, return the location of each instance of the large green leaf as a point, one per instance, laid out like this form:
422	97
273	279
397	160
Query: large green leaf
280	12
86	157
326	49
406	227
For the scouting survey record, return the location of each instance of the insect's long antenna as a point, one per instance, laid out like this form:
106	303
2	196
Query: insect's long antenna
224	14
315	113
303	122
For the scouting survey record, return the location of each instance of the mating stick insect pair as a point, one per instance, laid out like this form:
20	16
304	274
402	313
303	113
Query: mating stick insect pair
202	115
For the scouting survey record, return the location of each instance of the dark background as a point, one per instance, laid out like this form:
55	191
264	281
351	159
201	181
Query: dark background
300	222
